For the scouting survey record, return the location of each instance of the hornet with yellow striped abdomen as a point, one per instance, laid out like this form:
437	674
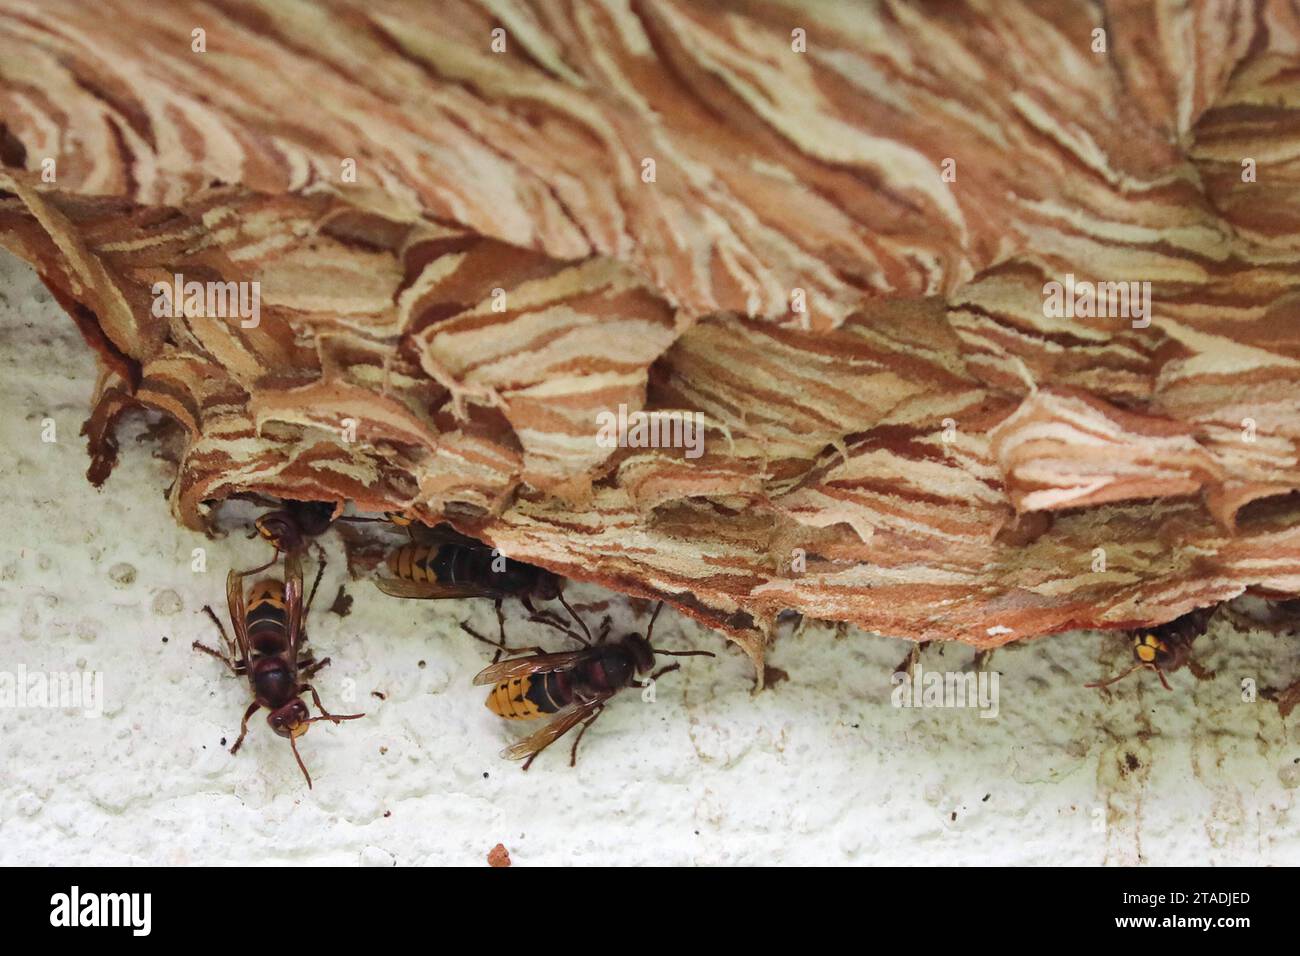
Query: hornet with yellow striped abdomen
448	564
268	650
1166	647
572	687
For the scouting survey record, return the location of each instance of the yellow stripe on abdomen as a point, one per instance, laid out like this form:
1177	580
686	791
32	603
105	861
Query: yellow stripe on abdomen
268	591
425	557
405	564
509	699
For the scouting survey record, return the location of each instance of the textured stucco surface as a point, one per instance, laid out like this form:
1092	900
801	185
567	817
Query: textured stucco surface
819	769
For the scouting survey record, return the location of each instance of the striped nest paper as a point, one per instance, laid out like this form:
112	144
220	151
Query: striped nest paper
970	321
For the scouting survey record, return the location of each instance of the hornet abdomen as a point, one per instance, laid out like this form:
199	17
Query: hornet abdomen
530	697
267	617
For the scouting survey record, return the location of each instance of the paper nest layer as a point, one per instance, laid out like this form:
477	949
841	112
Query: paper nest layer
837	255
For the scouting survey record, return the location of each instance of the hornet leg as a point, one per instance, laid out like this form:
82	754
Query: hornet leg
500	647
315	666
320	572
234	669
573	752
232	652
325	714
243	726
